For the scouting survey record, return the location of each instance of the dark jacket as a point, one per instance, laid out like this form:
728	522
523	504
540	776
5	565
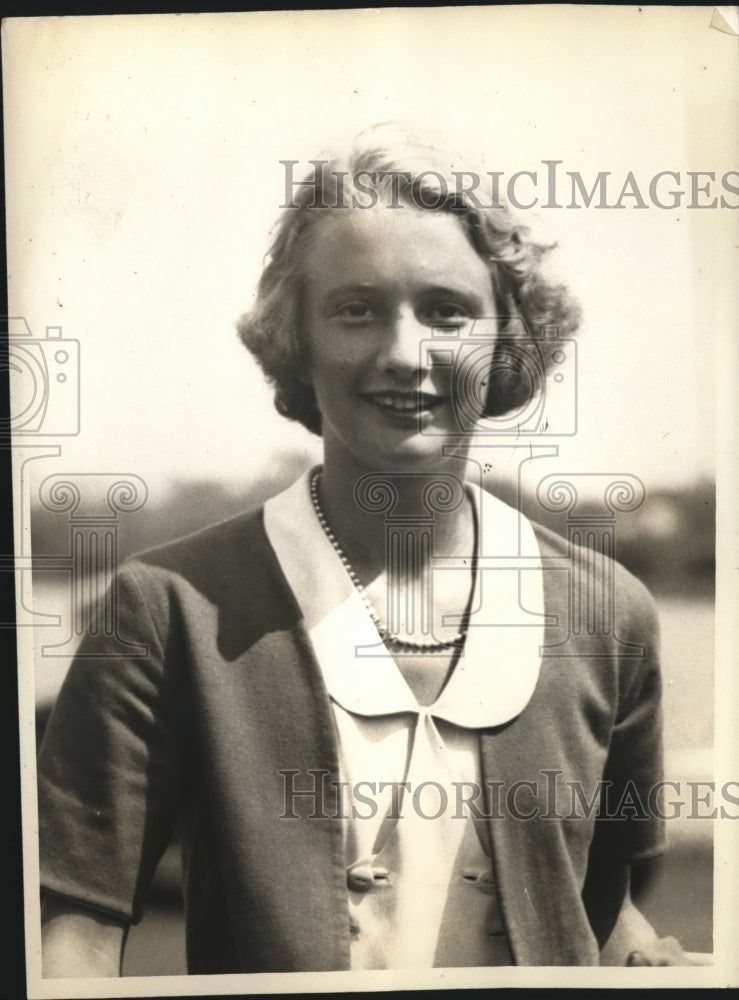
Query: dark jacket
195	735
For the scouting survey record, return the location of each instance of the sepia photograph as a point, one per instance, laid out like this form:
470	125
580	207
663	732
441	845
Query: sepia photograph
374	437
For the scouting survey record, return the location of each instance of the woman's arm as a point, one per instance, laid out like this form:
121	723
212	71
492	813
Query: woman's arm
109	786
79	942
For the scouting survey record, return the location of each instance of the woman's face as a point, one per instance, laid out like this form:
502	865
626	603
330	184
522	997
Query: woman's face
380	281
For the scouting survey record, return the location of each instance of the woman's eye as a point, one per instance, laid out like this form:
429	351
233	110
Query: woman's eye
448	314
355	312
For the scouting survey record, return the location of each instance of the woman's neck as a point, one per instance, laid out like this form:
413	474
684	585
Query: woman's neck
362	505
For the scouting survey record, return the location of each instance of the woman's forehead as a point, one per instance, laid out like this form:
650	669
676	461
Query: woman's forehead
383	242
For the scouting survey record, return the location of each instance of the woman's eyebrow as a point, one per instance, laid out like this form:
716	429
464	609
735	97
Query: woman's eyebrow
471	296
458	289
341	291
426	290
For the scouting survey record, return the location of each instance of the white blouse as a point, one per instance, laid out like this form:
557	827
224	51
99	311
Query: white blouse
420	884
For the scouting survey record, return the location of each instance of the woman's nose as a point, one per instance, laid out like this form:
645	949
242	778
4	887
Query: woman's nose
404	348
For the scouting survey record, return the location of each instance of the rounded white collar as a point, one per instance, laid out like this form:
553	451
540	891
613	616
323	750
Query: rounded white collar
497	672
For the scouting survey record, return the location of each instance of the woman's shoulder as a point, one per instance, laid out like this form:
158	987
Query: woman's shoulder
214	575
224	533
213	556
232	538
589	566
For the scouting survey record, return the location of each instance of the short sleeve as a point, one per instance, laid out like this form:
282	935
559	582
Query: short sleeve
631	825
111	762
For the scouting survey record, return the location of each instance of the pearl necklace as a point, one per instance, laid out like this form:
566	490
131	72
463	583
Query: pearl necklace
393	641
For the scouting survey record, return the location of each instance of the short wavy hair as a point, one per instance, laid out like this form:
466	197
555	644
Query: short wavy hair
408	170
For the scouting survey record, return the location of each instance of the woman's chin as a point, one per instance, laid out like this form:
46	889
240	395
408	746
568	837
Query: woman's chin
393	445
407	452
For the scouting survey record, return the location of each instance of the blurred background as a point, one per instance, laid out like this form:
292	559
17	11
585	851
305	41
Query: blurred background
143	158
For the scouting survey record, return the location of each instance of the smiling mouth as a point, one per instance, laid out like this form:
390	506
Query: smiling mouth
404	402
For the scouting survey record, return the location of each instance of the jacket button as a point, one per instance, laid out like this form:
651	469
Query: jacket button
362	876
483	881
486	883
359	877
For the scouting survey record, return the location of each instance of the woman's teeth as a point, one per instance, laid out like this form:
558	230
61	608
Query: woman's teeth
411	402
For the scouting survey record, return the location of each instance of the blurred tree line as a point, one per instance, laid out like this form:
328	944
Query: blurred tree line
668	542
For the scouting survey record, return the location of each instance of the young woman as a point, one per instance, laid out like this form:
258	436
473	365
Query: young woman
355	710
